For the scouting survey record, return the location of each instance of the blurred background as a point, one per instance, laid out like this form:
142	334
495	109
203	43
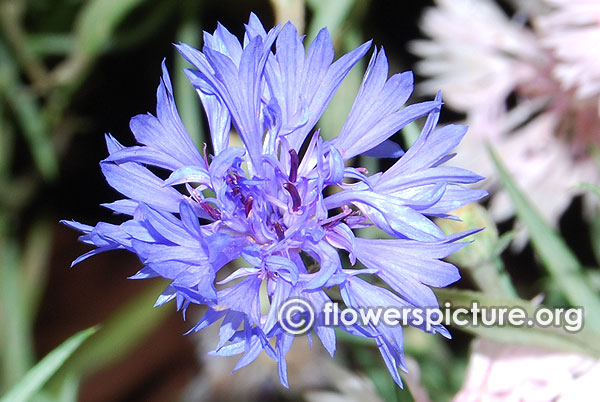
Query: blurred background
72	70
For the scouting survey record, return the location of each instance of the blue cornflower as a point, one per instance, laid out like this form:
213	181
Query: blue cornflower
286	202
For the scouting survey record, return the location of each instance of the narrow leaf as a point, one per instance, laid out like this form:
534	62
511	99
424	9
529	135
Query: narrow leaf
29	117
186	97
41	372
122	332
93	36
330	14
584	341
592	188
15	327
559	260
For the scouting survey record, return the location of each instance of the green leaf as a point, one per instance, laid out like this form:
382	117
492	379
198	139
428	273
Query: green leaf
41	372
97	21
29	117
145	27
122	332
503	242
15	327
561	263
67	392
591	188
36	132
186	96
330	14
119	335
594	278
480	257
70	388
584	341
34	263
7	144
410	133
50	44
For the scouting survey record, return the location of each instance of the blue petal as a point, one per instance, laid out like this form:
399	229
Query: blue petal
417	259
391	184
389	214
139	184
224	42
244	298
145	155
169	227
380	129
165	133
387	149
284	343
283	267
429	151
329	264
229	327
256	346
210	317
144	273
166	296
319	85
126	207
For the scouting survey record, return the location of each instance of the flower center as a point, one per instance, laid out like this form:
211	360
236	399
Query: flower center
267	208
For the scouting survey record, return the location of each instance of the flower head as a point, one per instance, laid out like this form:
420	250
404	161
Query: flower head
286	202
571	30
531	90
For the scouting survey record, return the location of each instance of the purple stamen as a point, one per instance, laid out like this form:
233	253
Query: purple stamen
248	205
279	231
296	200
334	220
294	162
214	213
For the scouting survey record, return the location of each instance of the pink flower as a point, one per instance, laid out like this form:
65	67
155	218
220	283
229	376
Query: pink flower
531	90
572	32
501	372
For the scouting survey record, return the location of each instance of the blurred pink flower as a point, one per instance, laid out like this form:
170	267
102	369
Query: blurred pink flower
572	32
500	372
522	89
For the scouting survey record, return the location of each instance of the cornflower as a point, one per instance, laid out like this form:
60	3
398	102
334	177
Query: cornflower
286	202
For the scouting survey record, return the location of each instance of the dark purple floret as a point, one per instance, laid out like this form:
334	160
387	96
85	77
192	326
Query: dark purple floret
294	162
